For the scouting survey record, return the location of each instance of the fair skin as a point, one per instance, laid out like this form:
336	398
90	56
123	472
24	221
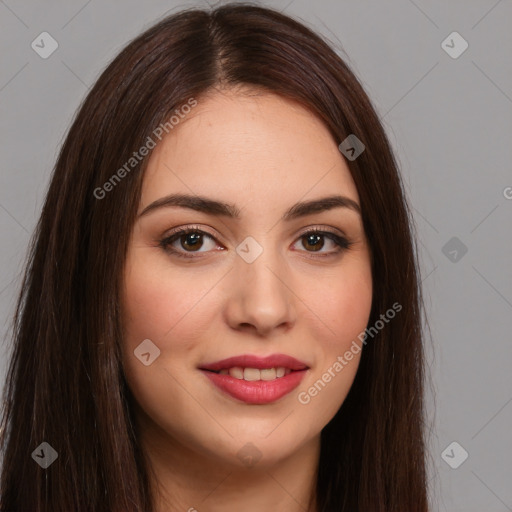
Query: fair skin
263	154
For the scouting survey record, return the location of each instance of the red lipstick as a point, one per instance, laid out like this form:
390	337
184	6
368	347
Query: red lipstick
250	361
256	391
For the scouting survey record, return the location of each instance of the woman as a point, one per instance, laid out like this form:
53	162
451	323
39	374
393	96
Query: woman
221	309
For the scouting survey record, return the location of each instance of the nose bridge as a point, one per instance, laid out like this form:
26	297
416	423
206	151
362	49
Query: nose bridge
260	295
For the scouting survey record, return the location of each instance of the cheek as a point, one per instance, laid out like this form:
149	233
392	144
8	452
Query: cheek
165	308
346	302
158	304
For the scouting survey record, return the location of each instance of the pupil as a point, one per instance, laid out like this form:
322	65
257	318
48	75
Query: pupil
196	238
315	239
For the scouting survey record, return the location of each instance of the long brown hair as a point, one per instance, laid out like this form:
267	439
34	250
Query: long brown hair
65	383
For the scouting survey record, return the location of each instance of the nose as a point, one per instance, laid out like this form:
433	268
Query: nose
261	297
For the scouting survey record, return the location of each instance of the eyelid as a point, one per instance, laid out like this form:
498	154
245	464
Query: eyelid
323	227
191	227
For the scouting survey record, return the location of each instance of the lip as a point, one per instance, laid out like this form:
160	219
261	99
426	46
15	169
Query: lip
251	361
256	392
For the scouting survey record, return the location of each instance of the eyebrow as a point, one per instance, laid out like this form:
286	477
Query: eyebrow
219	208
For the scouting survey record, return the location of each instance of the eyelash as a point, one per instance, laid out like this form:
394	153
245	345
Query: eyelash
342	243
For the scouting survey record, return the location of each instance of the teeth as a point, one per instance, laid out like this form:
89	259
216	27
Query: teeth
267	373
236	372
253	374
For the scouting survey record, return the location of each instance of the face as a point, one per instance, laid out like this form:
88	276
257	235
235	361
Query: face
279	287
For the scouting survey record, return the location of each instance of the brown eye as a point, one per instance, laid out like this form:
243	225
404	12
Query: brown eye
314	241
189	240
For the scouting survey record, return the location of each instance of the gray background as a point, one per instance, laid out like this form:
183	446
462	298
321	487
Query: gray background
449	120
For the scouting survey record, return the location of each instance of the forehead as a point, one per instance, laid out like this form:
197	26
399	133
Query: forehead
252	145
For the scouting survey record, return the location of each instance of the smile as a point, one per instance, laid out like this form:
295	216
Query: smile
256	380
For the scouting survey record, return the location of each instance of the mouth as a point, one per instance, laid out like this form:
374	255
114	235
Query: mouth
256	380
